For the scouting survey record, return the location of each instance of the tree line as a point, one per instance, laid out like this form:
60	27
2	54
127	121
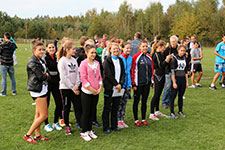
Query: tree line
204	18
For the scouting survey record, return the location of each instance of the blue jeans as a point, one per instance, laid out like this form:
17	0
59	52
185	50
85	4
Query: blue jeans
167	90
10	70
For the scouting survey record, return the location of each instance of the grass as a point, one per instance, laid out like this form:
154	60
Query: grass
202	129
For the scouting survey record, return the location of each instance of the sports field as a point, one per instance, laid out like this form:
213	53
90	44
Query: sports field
204	127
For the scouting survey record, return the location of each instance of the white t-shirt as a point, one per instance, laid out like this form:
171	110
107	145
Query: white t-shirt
117	69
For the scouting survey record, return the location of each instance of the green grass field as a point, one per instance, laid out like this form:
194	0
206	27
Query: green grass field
204	127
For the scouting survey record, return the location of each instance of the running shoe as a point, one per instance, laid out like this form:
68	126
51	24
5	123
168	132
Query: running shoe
120	125
153	117
77	125
29	139
124	124
107	131
96	123
192	87
68	131
145	123
182	114
138	124
212	88
92	135
41	138
198	85
61	123
173	116
2	94
223	86
56	126
85	136
48	128
158	113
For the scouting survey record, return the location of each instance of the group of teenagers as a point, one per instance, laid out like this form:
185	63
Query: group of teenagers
77	77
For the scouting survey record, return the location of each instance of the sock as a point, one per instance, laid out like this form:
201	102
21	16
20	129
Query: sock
143	120
197	84
212	85
27	135
136	121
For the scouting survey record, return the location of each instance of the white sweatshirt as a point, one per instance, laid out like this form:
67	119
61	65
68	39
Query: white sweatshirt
68	72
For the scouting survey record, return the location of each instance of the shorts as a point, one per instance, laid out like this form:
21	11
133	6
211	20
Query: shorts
34	98
196	68
220	67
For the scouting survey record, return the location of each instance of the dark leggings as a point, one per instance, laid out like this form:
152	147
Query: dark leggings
89	109
54	88
181	87
144	92
159	85
111	104
68	97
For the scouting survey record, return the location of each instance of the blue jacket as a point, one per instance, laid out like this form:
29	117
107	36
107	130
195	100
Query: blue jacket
127	61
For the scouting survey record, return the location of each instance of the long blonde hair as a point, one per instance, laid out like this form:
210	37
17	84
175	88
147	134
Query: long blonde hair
66	45
110	47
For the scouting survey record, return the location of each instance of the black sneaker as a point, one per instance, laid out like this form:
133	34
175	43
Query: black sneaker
173	116
182	114
96	123
212	87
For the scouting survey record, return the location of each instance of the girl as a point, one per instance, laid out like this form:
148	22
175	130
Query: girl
159	76
127	61
69	81
179	80
38	86
90	76
53	86
141	76
113	78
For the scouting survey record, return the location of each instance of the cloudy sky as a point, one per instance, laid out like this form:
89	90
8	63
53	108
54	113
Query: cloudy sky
32	8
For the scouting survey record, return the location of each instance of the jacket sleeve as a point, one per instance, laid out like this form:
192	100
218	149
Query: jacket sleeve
132	71
100	75
34	67
108	73
78	75
63	77
83	75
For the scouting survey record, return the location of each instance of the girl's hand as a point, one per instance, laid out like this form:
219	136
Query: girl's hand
77	92
118	87
174	85
75	88
135	88
187	85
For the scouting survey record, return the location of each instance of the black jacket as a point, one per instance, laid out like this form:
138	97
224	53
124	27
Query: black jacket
35	74
6	53
52	68
159	64
109	74
169	50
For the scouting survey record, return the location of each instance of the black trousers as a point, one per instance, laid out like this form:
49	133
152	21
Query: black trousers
181	87
54	89
68	97
142	91
111	104
88	102
159	85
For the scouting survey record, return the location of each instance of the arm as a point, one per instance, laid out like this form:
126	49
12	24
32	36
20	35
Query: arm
132	72
173	81
38	71
216	53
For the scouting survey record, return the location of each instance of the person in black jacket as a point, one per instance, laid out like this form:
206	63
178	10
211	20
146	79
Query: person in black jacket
160	63
38	86
7	49
113	80
53	86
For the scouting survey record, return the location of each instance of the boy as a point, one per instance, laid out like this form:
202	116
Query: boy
196	56
220	63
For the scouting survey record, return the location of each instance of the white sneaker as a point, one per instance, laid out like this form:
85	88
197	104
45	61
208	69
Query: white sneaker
85	136
223	86
48	128
153	117
92	135
158	113
192	86
56	126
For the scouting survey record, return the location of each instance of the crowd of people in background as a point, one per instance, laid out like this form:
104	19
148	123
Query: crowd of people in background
76	76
